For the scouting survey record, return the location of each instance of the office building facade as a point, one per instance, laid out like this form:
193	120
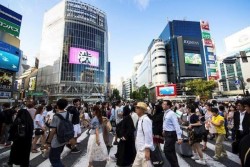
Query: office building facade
74	51
233	75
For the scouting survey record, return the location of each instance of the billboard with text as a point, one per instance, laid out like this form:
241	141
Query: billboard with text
83	56
6	80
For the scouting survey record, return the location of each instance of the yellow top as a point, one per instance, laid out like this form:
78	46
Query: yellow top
217	120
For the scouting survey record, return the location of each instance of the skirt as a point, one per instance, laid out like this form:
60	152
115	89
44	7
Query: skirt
95	152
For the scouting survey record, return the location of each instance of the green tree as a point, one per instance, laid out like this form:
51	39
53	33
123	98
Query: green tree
201	87
115	95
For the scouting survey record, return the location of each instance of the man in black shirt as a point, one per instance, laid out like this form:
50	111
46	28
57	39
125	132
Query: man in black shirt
7	114
74	110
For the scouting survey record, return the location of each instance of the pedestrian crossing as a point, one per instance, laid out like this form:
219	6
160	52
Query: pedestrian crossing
81	160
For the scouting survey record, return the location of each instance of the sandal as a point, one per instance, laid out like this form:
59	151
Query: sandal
35	151
204	148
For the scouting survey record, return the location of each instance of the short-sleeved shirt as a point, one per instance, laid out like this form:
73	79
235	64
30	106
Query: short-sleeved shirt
38	118
95	124
54	124
193	119
75	115
219	129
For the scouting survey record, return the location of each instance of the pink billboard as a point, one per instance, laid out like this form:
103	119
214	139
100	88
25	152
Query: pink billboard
83	56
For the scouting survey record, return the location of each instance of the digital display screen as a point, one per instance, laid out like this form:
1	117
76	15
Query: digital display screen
193	58
9	61
83	56
5	80
166	91
32	83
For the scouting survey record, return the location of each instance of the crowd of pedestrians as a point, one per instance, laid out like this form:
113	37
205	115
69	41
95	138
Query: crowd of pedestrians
138	129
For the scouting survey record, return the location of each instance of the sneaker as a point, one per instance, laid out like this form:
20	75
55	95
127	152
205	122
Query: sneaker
75	150
223	156
215	158
7	144
201	161
115	143
195	157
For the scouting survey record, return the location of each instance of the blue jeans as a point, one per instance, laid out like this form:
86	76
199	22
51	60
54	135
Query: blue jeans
55	156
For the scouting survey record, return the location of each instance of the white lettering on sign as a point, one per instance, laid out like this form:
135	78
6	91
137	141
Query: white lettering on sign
188	42
8	26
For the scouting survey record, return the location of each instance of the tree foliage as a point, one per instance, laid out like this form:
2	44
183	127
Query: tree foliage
141	94
115	95
201	87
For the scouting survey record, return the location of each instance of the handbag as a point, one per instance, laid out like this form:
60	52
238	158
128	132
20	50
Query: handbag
156	156
235	147
39	131
199	130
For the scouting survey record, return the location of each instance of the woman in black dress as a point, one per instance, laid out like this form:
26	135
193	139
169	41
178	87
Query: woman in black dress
195	140
157	124
21	133
126	151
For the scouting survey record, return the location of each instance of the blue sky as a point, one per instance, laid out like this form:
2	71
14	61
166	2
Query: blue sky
134	23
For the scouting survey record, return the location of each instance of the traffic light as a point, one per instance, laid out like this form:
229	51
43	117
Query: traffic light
229	61
243	56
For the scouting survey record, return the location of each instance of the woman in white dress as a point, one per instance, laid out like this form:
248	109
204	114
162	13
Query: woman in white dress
97	150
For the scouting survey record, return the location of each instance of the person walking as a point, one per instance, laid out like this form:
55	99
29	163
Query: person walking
195	140
40	129
144	137
126	147
21	133
157	120
218	122
96	149
56	147
74	110
171	133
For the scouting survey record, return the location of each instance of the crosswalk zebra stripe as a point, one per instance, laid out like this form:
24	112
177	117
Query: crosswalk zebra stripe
65	152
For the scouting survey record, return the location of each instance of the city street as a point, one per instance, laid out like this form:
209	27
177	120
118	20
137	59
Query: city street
80	159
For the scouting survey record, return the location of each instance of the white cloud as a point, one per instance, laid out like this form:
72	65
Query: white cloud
143	4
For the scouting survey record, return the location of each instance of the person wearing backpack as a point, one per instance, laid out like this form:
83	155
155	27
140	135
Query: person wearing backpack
61	131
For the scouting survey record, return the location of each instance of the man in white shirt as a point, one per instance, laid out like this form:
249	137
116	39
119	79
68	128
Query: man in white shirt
171	133
144	138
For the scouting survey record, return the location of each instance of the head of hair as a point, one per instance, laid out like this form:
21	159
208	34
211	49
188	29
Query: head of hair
158	108
221	108
234	107
49	107
113	105
62	104
30	104
214	110
246	101
98	113
118	102
39	110
169	103
209	104
76	100
98	103
192	108
126	111
214	102
6	105
239	102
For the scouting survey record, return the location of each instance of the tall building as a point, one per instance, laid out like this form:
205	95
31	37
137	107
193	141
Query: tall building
10	54
236	76
74	51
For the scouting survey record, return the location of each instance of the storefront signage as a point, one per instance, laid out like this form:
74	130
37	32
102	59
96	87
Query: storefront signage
5	94
9	27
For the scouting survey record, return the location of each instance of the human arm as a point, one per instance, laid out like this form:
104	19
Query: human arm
177	127
51	134
97	136
219	123
147	129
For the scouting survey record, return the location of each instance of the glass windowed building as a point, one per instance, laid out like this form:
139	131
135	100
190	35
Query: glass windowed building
73	53
184	50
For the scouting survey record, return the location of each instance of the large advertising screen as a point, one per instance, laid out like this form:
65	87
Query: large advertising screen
192	58
83	56
6	80
166	90
32	83
9	61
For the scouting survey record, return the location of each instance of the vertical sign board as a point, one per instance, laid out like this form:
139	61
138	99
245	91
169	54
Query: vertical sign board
10	21
209	49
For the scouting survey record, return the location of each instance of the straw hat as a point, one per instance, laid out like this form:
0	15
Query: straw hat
142	106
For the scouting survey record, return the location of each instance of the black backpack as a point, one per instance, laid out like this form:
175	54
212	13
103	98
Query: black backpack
65	130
